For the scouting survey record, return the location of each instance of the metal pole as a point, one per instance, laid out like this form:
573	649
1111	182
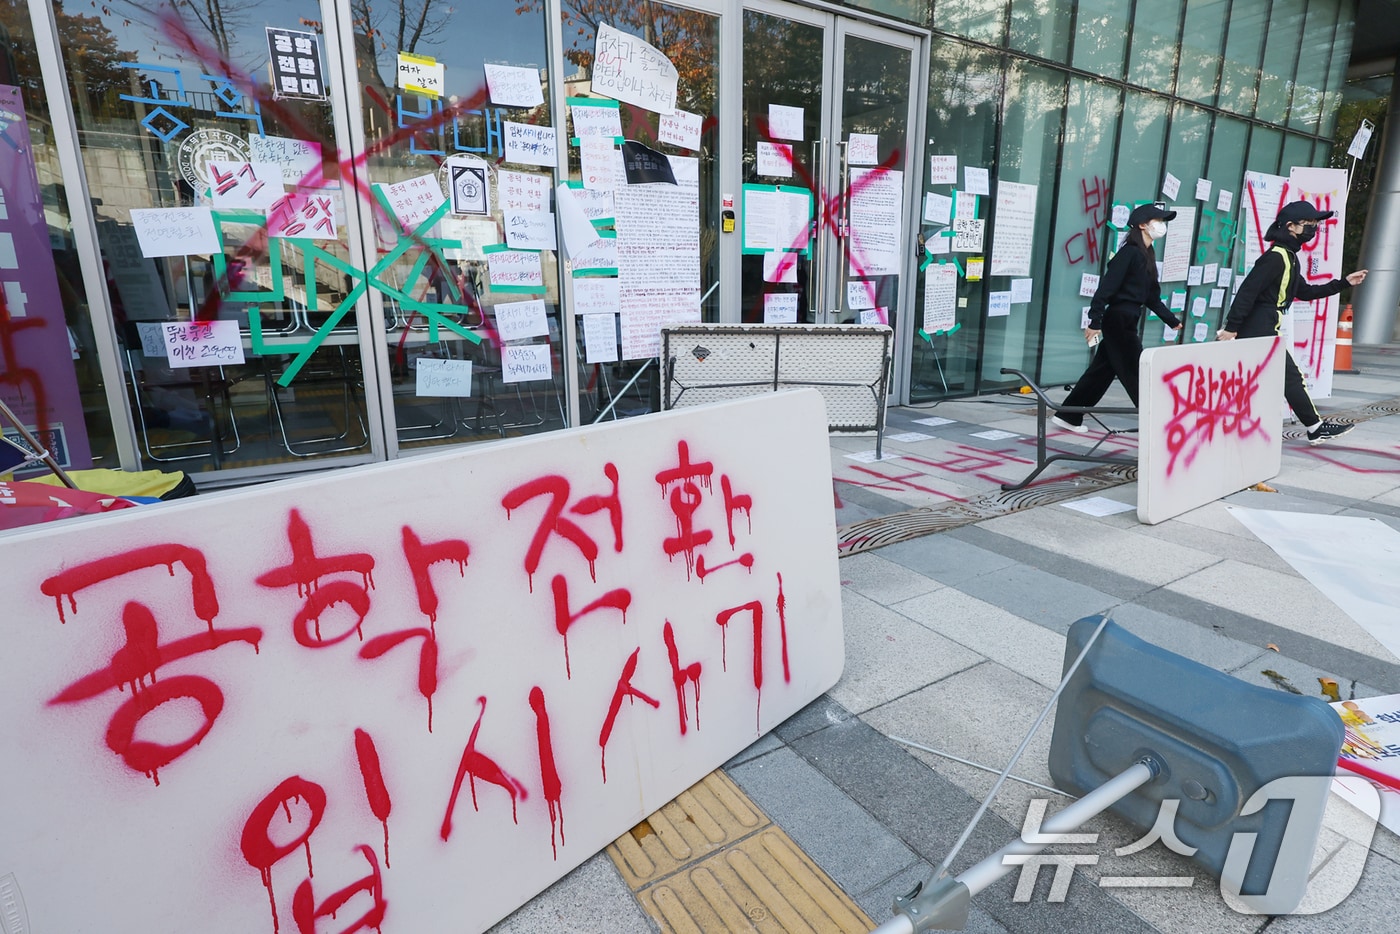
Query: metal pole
36	447
1375	302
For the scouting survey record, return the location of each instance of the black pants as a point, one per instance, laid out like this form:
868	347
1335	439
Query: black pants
1117	355
1296	392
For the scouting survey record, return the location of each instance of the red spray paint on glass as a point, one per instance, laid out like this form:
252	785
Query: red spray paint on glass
624	689
476	766
549	773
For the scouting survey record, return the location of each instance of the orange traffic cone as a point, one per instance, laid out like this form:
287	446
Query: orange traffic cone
1341	361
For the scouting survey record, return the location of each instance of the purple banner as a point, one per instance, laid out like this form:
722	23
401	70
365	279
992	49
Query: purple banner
37	378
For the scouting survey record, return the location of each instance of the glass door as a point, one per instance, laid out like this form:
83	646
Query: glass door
828	174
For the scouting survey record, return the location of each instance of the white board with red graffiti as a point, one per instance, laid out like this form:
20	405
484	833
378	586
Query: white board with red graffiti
1210	422
408	695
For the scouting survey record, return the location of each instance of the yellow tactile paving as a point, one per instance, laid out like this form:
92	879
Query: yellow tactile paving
711	861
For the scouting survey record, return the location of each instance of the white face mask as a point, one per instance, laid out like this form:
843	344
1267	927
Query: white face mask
1157	229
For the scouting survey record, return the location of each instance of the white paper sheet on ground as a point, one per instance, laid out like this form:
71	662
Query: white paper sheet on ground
868	457
995	434
933	421
1099	506
908	437
1354	561
579	234
600	337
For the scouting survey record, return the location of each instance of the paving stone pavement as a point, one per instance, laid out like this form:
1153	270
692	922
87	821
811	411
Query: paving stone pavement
946	629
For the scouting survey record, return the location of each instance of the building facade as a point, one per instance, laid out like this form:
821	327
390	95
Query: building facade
263	237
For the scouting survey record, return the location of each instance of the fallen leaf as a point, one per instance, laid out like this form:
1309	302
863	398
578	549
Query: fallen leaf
1271	647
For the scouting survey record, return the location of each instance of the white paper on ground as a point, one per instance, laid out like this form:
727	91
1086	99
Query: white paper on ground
1099	506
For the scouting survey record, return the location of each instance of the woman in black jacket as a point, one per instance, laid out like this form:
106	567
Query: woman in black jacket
1129	283
1266	295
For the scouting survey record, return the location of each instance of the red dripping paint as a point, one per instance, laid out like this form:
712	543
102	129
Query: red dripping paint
782	630
625	689
619	600
305	912
552	522
376	792
733	504
755	610
427	659
306	569
148	757
321	600
68	583
701	571
257	846
478	766
612	503
680	676
549	773
422	557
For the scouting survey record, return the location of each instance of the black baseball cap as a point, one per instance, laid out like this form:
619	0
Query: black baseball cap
1295	212
1150	212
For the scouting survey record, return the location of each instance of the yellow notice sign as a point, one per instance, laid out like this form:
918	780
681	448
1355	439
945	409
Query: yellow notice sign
421	74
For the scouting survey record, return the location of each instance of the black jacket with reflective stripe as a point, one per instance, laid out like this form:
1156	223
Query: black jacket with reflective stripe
1269	289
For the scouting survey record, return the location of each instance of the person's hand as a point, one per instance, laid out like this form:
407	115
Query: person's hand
1091	336
1224	335
1357	277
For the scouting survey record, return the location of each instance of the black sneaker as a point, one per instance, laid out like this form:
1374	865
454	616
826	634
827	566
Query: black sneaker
1327	431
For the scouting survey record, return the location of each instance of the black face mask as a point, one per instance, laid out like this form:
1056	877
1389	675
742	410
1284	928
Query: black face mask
1307	234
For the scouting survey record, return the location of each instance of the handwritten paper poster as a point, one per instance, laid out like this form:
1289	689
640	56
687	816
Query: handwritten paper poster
874	316
202	343
1224	200
629	70
251	185
299	159
968	234
939	246
1015	229
1176	254
974	268
596	296
599	259
877	199
1088	284
776	219
1177	302
780	266
294	58
529	144
964	204
524	363
530	230
1168	333
1198	307
514	87
1021	290
596	205
579	232
775	159
600	337
1201	331
658	257
514	270
860	294
998	304
780	308
1121	213
1209	272
1217	298
421	74
1203	189
520	320
863	149
942	170
1224	278
413	200
1193	275
522	191
470	236
940	296
595	118
1171	186
436	377
303	215
681	128
938	209
600	162
175	231
976	181
785	122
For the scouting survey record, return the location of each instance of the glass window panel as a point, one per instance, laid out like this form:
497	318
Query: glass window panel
1265	146
1152	61
1101	36
1337	69
1202	41
1081	223
1216	235
1280	59
1138	176
983	20
913	11
1297	151
165	99
1239	75
964	97
54	388
1029	154
1312	66
1041	27
782	65
690	39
